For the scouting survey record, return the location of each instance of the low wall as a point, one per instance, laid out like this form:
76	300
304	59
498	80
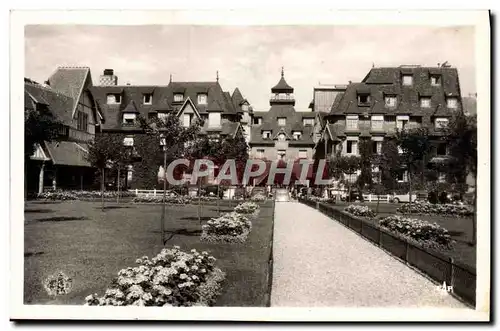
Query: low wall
436	266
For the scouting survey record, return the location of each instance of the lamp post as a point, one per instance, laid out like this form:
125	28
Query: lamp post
163	144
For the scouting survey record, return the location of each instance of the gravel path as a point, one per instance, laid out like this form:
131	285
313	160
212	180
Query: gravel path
318	262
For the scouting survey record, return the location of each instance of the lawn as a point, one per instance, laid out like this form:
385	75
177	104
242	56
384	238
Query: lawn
91	246
460	229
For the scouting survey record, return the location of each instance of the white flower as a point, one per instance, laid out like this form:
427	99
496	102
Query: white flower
183	276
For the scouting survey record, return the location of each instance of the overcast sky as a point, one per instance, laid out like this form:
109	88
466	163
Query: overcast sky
246	57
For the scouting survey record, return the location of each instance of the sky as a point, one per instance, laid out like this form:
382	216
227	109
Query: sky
247	57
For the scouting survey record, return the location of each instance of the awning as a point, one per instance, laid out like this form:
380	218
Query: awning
67	153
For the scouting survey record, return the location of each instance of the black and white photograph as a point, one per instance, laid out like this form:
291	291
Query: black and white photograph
315	168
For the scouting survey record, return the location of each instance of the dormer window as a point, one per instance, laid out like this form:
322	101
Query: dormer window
281	121
162	116
297	135
114	99
129	119
407	80
451	102
178	97
390	101
128	141
363	99
308	121
266	134
281	137
352	122
244	107
441	123
257	120
425	102
435	80
202	99
148	99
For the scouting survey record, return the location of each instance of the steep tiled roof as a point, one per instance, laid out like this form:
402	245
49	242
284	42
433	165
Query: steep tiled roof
237	98
70	81
293	123
387	81
68	153
59	104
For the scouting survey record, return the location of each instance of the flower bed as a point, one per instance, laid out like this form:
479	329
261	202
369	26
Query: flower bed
76	195
57	195
425	208
363	211
249	209
178	199
172	278
230	228
258	197
424	233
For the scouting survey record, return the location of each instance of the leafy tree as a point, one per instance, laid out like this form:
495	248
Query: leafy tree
365	177
462	143
416	145
389	164
341	165
104	151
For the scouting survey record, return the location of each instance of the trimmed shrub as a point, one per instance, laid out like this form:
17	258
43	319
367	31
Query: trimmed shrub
230	227
424	208
363	211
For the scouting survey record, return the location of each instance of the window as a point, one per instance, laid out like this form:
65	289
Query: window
407	80
260	153
363	99
425	102
202	99
302	153
129	118
402	122
435	80
128	141
390	101
281	154
281	137
213	119
148	99
83	121
308	121
114	99
266	134
162	116
451	102
441	177
400	150
352	122
244	107
187	120
376	147
178	97
297	135
281	121
401	176
377	122
440	123
441	149
257	121
352	147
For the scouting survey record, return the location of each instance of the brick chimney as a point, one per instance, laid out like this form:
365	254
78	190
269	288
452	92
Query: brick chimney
108	78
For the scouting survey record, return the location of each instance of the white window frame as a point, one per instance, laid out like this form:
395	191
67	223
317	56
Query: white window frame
185	123
378	120
401	121
129	116
150	98
435	80
281	121
202	99
407	80
441	122
260	153
302	153
352	122
452	102
391	101
297	135
214	119
281	153
178	97
367	95
128	141
425	104
266	134
244	107
308	121
354	147
116	96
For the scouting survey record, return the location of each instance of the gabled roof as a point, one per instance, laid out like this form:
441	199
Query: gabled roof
237	98
130	108
188	101
70	81
68	153
60	105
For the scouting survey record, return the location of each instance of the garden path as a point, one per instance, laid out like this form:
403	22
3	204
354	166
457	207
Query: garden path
319	262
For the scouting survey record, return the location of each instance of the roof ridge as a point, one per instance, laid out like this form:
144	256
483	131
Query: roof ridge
73	67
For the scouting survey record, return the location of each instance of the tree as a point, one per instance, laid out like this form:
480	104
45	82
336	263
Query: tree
342	165
105	150
462	144
389	164
39	125
235	148
415	144
366	156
